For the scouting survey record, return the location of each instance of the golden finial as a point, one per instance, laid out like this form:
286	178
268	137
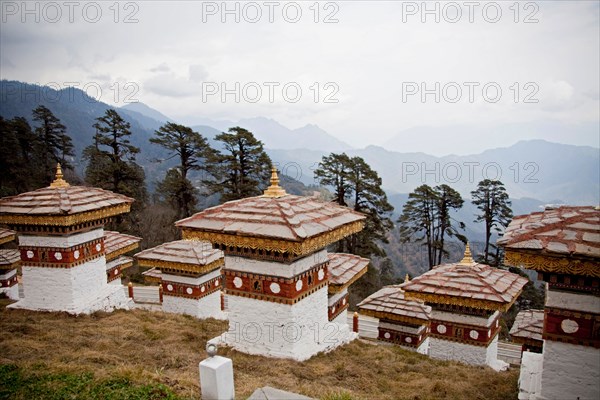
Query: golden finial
274	190
467	259
407	278
59	182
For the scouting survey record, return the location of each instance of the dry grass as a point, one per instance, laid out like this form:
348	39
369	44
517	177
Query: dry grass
149	347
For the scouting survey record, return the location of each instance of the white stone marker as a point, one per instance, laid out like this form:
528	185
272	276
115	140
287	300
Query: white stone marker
216	376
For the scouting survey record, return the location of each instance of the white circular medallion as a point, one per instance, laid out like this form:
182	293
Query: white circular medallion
217	282
76	254
441	329
321	274
170	287
569	326
29	254
0	284
344	302
496	323
189	290
237	282
58	255
274	286
116	272
299	286
203	289
98	247
387	335
489	333
333	309
408	339
474	334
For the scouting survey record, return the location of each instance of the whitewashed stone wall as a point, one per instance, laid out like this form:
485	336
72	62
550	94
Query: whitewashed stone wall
402	328
275	268
60	241
466	353
463	318
572	301
296	331
81	289
206	307
570	371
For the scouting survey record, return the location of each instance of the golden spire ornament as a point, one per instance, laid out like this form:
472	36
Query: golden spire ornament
274	190
467	258
407	278
59	182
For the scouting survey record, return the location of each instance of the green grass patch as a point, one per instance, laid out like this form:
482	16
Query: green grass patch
18	384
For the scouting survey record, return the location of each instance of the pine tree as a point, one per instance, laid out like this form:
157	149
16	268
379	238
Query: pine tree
111	159
192	150
357	185
242	169
333	171
426	217
492	200
448	199
54	145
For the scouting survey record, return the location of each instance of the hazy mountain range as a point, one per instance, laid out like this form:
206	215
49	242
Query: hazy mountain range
535	172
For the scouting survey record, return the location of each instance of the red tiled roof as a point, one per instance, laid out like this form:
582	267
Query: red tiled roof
289	217
390	300
9	258
116	243
468	281
344	269
60	201
191	252
563	231
529	324
7	235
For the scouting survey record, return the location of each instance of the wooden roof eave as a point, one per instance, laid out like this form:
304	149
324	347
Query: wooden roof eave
553	263
296	247
393	317
460	301
65	220
332	288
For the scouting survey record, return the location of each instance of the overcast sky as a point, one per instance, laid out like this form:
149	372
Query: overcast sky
361	67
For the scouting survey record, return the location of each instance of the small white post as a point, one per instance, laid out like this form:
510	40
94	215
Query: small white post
216	376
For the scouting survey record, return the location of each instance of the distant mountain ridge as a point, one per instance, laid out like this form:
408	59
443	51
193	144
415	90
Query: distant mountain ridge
541	171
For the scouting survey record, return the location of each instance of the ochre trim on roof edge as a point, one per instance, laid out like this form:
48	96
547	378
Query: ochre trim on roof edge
333	288
460	301
544	263
174	267
393	317
279	245
65	220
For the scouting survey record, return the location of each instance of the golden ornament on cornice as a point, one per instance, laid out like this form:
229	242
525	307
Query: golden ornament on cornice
274	190
65	220
338	288
558	265
59	182
394	317
459	301
177	268
114	254
307	246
